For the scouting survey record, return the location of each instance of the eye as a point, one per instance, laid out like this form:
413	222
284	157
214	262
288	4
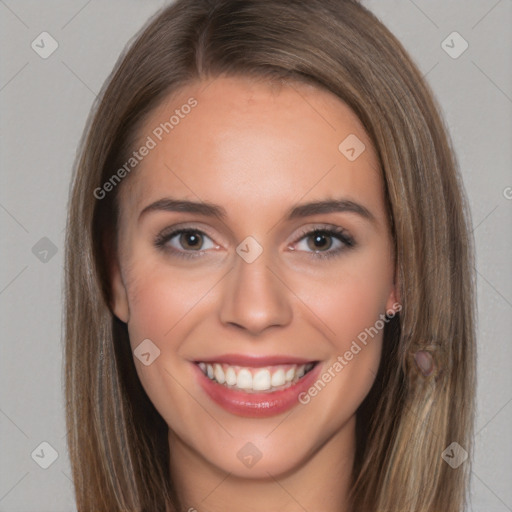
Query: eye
185	240
319	242
325	242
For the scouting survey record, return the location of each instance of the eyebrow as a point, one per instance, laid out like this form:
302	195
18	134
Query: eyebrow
300	211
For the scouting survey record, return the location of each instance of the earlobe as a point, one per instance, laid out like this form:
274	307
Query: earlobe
394	302
393	305
119	297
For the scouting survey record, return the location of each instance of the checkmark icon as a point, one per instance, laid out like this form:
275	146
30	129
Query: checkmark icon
44	45
454	455
249	249
44	455
249	455
454	45
146	352
44	250
351	147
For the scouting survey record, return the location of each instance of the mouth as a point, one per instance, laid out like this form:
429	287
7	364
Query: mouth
267	379
256	387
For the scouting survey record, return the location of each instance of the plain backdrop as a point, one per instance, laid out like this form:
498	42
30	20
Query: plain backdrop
44	105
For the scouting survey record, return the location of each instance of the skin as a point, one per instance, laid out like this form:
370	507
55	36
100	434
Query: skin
257	150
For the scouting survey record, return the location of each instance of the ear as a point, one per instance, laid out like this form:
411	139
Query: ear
119	297
394	302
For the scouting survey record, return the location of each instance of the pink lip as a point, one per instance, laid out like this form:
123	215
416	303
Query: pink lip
255	361
257	405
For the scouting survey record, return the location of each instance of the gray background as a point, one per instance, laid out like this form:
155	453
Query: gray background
44	105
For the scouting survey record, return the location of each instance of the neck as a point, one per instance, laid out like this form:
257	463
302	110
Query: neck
321	482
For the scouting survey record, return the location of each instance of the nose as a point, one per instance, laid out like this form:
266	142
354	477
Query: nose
254	298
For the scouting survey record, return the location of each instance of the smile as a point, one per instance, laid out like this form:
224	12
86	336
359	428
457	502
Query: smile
255	387
269	379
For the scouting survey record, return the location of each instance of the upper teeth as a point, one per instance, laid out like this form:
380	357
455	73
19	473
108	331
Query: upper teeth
255	379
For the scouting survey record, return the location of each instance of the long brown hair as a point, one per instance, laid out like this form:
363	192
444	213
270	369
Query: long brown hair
117	440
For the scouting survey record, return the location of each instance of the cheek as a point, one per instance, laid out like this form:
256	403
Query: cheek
349	298
351	304
163	306
351	307
160	298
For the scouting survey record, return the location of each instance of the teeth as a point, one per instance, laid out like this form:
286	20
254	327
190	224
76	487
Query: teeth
271	378
244	379
278	378
218	373
230	376
261	381
290	374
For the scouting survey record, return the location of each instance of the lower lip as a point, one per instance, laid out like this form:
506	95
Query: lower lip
256	405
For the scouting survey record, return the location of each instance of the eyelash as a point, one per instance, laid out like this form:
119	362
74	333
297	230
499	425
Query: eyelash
334	232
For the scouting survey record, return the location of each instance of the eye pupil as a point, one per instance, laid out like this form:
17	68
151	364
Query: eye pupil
191	240
319	241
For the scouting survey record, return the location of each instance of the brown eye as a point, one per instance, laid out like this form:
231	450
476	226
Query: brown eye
325	242
319	241
191	240
184	242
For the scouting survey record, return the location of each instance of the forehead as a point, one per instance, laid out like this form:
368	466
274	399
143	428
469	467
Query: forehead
251	144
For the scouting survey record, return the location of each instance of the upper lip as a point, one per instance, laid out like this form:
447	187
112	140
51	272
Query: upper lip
255	361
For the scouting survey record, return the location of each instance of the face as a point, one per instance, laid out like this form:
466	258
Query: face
254	271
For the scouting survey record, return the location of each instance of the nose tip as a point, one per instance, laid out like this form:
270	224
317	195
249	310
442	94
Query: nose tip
253	298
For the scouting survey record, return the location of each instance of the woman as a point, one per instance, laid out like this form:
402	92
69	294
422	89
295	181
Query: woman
269	291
